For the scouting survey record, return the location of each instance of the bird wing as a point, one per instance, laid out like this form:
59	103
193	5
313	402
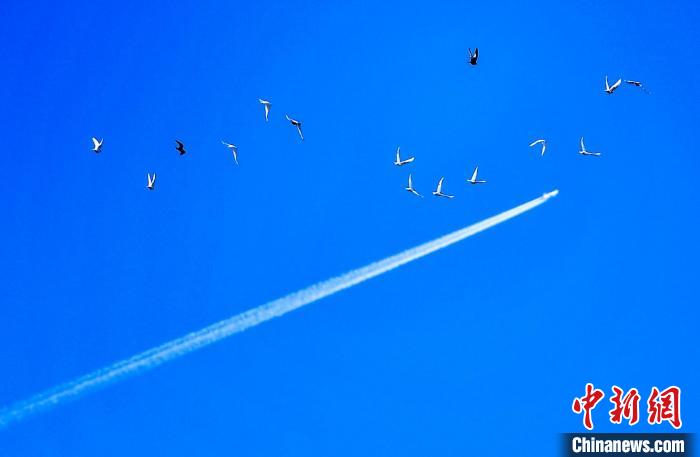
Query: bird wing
544	147
607	86
179	144
398	154
95	142
476	171
536	142
615	86
409	160
583	147
410	182
439	187
476	53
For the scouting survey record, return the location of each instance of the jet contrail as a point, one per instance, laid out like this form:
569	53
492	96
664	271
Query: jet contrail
227	327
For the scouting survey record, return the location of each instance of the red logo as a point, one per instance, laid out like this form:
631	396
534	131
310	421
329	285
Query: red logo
662	406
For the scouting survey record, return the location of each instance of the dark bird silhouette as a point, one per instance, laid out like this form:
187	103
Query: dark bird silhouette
473	56
180	147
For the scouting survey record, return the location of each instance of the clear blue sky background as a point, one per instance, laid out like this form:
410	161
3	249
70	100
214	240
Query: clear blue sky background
442	357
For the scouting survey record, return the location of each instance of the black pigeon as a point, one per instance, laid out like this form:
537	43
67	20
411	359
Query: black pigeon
180	147
473	56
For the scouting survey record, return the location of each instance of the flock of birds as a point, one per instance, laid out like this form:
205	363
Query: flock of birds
438	191
473	59
474	178
180	146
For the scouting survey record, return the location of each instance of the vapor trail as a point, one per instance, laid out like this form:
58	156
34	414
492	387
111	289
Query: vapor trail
222	329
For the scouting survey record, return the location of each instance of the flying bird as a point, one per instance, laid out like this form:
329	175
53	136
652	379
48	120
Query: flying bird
267	106
584	152
410	187
438	192
234	150
398	162
637	84
473	179
180	147
543	143
151	181
296	124
610	89
97	145
473	56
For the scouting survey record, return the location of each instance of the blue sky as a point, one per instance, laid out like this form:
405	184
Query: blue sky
441	357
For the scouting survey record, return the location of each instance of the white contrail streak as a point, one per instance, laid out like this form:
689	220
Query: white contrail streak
227	327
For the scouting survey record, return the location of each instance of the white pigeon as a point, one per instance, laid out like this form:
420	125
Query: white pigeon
438	192
610	89
97	145
584	152
151	181
473	179
543	143
410	187
234	150
296	124
398	162
267	106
